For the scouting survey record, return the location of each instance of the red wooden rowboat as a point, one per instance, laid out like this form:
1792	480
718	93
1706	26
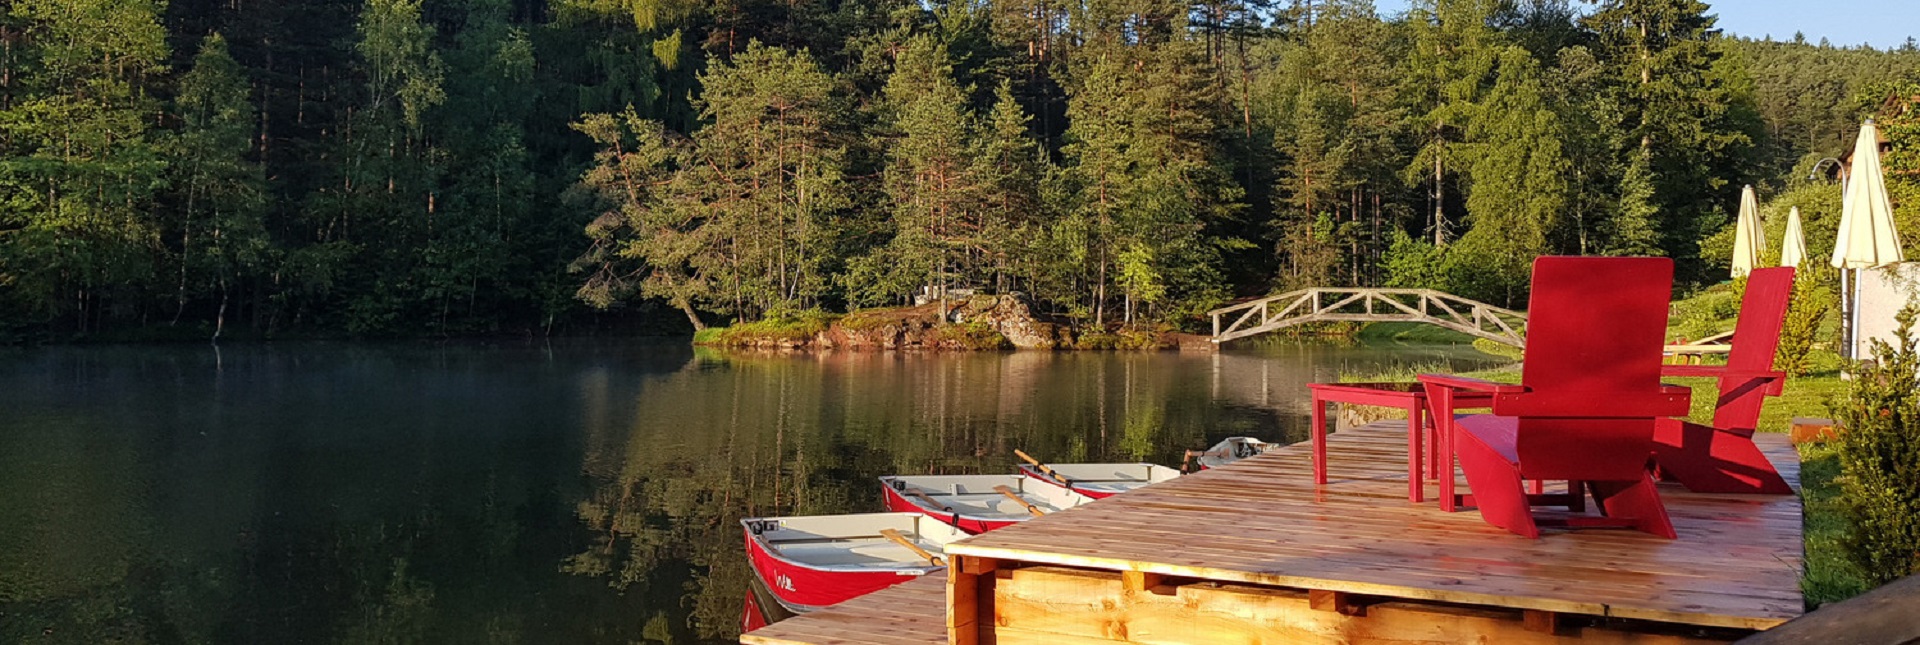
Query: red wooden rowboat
812	562
1100	481
974	503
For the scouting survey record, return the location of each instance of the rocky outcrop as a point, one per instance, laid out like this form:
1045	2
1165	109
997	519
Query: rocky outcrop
1013	318
974	323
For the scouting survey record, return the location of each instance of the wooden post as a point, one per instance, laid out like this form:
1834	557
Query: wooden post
1543	622
970	600
1139	581
1339	602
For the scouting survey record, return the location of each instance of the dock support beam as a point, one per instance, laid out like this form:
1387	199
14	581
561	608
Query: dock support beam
970	600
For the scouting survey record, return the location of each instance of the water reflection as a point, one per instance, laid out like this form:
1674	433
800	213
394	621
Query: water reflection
578	492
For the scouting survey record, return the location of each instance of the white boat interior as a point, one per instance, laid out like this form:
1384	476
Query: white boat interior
854	542
974	497
1232	449
1114	478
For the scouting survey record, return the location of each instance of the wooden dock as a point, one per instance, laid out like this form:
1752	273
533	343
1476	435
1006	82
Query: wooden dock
1255	553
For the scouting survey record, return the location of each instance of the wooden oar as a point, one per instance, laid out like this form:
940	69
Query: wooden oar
903	541
924	497
1035	510
1044	469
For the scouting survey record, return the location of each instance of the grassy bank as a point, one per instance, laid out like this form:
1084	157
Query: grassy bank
793	328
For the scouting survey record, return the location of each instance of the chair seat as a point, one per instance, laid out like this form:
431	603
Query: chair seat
1706	459
1499	434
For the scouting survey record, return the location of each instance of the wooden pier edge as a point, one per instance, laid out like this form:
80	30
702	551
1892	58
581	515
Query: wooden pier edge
1255	552
1045	604
1012	559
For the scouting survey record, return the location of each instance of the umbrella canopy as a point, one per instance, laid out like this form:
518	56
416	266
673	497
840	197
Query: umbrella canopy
1748	240
1793	247
1867	238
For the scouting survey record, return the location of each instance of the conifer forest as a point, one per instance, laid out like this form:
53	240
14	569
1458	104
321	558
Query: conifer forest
434	168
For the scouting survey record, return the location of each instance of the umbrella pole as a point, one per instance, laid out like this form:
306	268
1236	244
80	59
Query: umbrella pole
1853	330
1846	320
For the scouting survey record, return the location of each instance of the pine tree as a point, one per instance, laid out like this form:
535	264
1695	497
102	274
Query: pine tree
743	220
929	179
646	240
1141	151
1632	229
1684	108
1009	167
1519	181
1452	64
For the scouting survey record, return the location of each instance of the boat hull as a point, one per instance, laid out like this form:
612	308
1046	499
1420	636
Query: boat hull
899	503
801	588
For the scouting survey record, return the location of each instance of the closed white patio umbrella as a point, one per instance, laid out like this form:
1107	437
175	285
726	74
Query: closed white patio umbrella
1748	239
1867	237
1793	245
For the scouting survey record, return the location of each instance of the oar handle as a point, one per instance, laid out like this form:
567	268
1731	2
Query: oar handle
903	541
1042	467
1035	510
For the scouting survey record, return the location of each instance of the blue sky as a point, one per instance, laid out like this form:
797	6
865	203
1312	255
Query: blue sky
1881	23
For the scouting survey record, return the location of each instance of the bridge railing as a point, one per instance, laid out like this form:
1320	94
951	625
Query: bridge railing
1359	304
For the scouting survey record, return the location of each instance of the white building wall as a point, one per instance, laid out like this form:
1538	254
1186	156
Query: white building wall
1883	291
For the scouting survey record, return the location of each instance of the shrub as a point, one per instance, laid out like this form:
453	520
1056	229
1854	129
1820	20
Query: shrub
1880	458
1711	311
972	336
1813	297
776	327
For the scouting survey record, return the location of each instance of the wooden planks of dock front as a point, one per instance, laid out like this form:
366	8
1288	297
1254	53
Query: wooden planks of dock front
1255	553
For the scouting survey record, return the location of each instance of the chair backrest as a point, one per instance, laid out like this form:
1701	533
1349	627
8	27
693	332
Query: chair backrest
1756	338
1595	332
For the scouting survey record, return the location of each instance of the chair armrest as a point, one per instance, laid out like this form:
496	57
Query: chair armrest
1773	381
1679	371
1464	383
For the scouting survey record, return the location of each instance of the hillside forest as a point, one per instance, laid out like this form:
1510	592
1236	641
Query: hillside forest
435	168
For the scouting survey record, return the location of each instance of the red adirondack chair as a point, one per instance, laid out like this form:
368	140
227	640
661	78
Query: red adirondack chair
1721	458
1584	411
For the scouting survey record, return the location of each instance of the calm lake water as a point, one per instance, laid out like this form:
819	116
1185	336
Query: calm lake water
576	492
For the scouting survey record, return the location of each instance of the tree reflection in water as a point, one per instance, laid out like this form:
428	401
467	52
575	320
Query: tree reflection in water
759	434
527	493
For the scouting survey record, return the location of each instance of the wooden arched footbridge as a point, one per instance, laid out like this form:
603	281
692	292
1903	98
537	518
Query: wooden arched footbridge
1329	304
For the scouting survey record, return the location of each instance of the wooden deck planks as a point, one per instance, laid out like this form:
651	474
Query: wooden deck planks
1262	521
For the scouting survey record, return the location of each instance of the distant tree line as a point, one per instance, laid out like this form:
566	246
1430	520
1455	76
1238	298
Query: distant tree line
443	167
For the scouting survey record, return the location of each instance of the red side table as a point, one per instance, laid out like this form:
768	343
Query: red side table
1435	454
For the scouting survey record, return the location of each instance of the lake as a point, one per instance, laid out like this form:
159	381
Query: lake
576	492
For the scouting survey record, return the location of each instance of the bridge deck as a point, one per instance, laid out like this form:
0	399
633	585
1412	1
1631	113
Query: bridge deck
1367	304
1262	522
